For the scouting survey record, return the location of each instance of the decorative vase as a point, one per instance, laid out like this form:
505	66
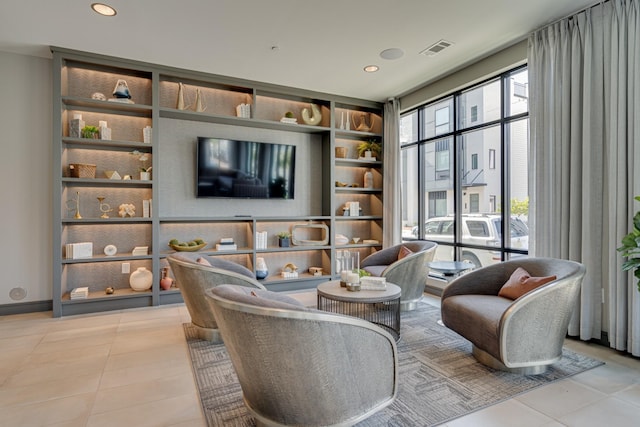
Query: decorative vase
368	179
145	176
261	268
166	281
141	279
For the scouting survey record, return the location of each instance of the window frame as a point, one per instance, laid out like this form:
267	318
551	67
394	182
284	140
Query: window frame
454	133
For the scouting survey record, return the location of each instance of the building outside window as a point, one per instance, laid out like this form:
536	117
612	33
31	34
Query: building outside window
464	160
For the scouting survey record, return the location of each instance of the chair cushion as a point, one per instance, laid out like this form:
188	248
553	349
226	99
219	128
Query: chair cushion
257	297
375	270
521	282
404	252
477	318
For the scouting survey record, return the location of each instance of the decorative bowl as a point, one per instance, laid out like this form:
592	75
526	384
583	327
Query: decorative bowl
188	248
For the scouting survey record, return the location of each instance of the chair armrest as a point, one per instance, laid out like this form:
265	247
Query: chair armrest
535	325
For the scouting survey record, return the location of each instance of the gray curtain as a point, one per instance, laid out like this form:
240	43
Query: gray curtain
584	76
392	203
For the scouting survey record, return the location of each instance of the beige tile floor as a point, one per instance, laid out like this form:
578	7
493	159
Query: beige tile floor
132	368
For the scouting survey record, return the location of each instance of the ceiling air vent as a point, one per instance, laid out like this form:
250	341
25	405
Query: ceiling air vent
436	48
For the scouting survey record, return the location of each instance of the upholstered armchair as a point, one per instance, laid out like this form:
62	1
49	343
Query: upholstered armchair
194	278
515	333
299	366
408	272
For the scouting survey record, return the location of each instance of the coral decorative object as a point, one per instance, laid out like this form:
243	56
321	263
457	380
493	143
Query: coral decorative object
141	279
166	281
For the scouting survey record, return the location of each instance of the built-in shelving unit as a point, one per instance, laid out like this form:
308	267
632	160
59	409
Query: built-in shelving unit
174	211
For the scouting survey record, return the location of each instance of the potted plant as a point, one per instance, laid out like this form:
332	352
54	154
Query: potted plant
374	147
90	132
284	239
631	247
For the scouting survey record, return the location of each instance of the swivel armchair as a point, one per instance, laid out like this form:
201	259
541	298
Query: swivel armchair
409	273
525	334
194	278
299	366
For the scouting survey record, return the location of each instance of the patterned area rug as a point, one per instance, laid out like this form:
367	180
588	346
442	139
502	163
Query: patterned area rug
438	377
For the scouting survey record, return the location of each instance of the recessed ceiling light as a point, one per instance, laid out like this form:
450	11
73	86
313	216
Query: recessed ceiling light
371	68
393	53
103	9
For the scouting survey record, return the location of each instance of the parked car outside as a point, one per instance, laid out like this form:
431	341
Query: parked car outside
479	230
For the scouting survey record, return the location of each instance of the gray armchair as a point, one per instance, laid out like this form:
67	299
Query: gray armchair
303	367
524	335
409	273
194	279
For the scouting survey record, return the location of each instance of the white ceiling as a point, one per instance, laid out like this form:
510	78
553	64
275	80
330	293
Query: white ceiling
322	45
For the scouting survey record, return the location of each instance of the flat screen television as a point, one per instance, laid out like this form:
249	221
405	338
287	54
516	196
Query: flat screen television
245	169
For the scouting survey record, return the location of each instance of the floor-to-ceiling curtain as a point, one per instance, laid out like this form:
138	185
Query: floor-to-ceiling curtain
392	202
584	76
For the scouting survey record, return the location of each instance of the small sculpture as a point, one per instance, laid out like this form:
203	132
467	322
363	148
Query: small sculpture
180	104
363	126
316	115
200	107
99	96
127	209
121	92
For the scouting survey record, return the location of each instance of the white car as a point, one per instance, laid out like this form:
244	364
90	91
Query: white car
479	230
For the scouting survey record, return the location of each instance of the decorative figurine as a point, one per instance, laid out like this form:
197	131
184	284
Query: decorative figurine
127	209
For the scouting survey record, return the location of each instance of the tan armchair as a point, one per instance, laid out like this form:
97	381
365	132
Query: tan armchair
194	279
524	335
409	273
303	367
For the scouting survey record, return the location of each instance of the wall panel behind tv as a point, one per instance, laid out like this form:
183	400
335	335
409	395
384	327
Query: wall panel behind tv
175	171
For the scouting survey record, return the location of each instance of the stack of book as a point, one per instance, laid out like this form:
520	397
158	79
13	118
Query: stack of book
140	250
261	240
79	293
79	250
244	111
371	283
226	244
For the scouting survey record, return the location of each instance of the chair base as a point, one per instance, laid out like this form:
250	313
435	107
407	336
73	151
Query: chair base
409	305
490	361
208	334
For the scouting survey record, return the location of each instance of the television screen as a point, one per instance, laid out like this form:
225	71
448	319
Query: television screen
245	169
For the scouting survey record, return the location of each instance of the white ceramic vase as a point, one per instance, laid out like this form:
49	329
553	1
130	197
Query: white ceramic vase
262	271
141	279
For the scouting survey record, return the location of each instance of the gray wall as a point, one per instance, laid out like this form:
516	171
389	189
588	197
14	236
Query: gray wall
25	177
177	153
498	62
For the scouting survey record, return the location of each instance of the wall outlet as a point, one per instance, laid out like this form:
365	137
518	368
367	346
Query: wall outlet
126	268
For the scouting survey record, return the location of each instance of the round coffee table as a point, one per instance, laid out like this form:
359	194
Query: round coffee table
379	307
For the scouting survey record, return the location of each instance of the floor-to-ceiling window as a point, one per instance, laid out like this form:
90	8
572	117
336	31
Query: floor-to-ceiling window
464	171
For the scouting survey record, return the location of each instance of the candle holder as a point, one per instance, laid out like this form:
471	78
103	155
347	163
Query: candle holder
104	207
75	208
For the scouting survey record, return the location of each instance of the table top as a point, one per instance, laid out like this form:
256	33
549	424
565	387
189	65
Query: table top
332	290
450	267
